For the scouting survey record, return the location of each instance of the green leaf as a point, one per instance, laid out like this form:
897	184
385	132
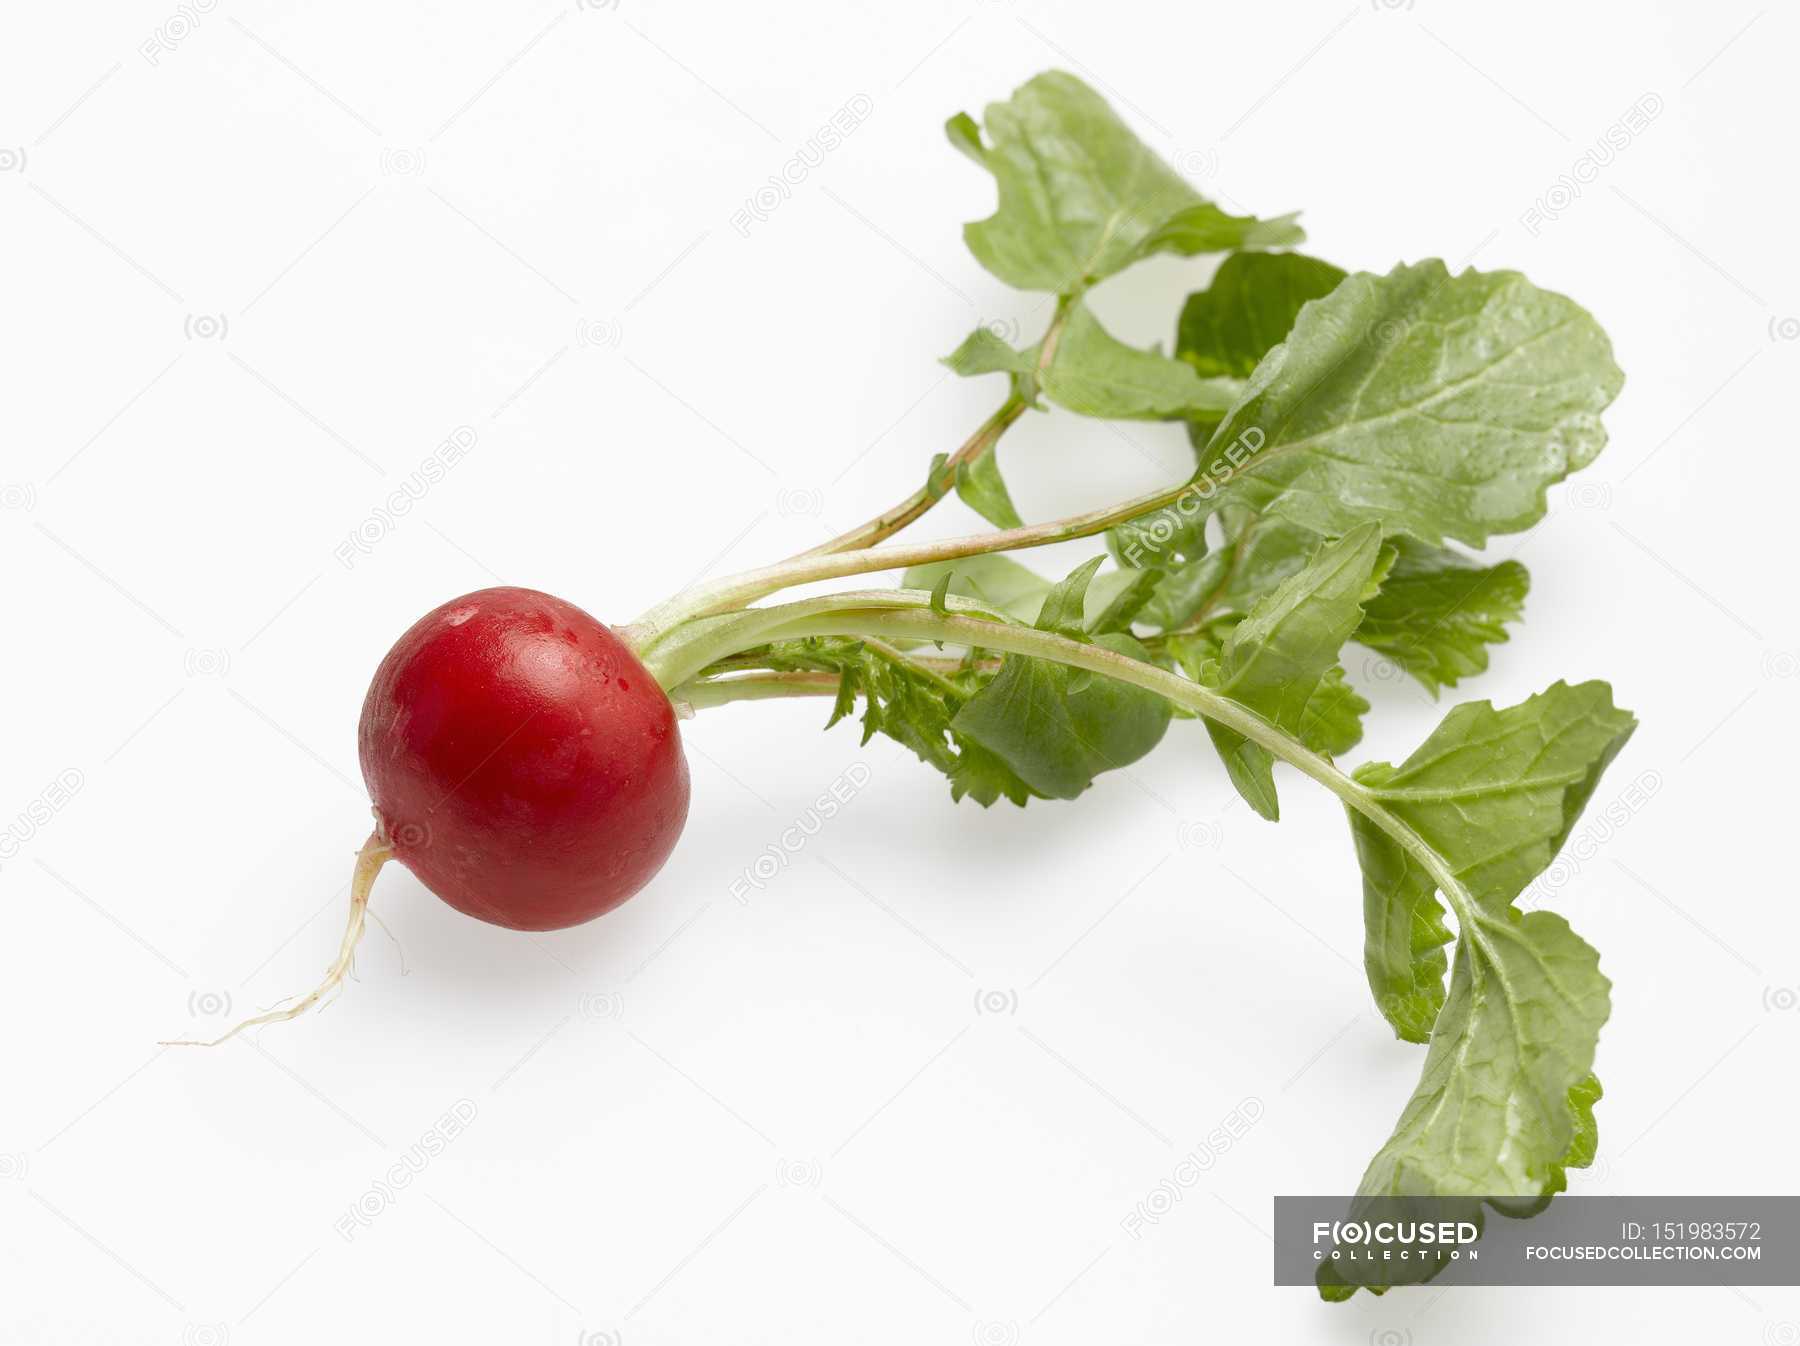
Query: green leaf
1193	652
1403	933
1437	405
939	592
983	490
984	352
1520	776
1438	612
1586	1143
1504	1101
1495	792
965	136
1206	228
1080	196
909	704
1165	537
1055	736
1227	328
1258	555
1093	374
1064	607
1492	1115
997	580
900	699
1276	659
1250	768
1185	592
1123	607
1332	722
935	480
1014	589
1084	369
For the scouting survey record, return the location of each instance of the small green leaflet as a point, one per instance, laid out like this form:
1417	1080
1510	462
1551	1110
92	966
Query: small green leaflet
1277	658
1170	536
1437	405
1438	612
900	699
984	351
1093	374
1064	609
1056	728
1082	368
909	704
1206	228
1403	933
1257	555
1120	610
1332	722
1085	369
1185	591
1056	738
1034	729
1227	328
1015	589
980	486
1081	197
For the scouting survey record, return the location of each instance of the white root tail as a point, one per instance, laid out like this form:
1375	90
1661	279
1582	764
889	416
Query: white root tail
375	853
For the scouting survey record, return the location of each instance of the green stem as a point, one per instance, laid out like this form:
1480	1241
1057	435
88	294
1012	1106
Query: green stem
904	616
705	692
982	442
889	522
854	552
704	642
736	591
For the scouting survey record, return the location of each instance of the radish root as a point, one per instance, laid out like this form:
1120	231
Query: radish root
375	853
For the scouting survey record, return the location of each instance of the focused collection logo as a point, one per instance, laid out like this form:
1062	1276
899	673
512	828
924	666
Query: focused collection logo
1394	1240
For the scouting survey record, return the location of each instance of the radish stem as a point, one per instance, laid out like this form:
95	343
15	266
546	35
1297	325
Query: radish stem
735	591
889	522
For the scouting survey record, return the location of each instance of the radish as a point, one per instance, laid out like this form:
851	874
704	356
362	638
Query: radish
524	760
522	763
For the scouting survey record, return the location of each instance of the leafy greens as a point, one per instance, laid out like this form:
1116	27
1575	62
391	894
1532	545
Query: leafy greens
1348	428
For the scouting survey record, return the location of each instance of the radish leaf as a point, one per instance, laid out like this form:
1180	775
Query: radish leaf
1017	590
1092	373
1275	660
1436	405
981	487
1438	612
1504	1103
1248	309
1081	197
1055	736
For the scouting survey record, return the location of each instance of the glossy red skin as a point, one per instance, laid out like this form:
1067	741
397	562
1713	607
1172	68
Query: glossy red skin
522	761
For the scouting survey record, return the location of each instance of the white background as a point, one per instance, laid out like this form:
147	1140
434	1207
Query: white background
788	1121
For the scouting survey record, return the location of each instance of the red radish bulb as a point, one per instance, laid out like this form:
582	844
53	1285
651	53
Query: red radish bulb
523	764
